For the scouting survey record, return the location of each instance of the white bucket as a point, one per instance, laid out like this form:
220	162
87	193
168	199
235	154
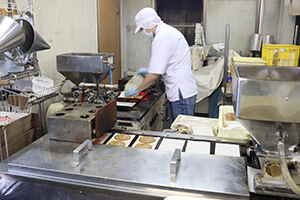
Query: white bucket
41	83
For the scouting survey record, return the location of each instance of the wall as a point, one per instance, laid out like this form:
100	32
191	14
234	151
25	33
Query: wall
277	21
67	26
240	14
135	48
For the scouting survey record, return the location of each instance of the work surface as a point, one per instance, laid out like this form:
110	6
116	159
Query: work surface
132	171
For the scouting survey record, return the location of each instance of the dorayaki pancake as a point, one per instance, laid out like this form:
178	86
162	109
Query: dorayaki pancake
122	137
143	146
117	143
230	117
147	139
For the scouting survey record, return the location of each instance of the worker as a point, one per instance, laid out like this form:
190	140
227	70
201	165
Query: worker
170	58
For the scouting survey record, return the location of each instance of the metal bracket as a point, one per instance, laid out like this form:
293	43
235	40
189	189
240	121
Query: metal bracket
81	148
174	164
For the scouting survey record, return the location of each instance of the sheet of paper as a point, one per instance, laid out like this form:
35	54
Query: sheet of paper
126	104
171	144
135	81
153	144
127	142
198	147
227	149
122	95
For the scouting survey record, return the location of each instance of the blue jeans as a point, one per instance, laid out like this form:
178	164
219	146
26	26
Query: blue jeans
181	107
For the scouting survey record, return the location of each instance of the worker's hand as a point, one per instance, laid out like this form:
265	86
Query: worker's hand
142	71
132	92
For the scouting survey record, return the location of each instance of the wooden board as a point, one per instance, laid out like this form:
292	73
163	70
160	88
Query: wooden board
109	33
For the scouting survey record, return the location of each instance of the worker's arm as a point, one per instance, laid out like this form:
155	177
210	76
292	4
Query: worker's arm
148	81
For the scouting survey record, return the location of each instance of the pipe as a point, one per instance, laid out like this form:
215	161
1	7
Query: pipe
111	76
111	80
284	168
295	36
94	85
261	16
226	52
257	20
204	16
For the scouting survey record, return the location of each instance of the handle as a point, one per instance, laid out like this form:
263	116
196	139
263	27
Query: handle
4	82
174	164
76	153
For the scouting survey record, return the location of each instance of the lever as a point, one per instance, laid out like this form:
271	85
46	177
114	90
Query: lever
81	148
174	164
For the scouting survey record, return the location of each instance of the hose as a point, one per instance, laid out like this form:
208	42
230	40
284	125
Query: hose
284	168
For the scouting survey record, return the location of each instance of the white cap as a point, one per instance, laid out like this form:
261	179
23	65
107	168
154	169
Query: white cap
146	18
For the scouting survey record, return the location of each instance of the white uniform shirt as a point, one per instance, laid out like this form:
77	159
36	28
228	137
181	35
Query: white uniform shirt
171	58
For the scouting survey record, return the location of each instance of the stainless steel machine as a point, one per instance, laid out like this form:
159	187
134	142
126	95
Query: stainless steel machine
266	101
83	119
66	162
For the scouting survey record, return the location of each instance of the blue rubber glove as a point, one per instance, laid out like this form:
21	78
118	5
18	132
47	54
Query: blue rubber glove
142	71
132	92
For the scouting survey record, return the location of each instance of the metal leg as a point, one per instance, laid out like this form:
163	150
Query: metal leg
40	111
4	128
1	155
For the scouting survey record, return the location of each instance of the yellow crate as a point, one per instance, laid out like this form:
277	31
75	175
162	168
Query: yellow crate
280	54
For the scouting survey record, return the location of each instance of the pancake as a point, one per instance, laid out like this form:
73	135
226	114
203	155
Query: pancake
117	143
143	146
230	117
122	137
147	139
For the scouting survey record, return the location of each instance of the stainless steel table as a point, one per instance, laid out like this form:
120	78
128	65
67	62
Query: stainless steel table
127	173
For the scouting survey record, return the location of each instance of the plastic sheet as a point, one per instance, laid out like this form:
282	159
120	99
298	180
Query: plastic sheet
208	78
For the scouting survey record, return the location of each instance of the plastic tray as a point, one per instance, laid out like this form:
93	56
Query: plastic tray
231	129
197	125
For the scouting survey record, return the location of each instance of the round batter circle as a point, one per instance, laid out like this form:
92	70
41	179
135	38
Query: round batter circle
143	146
147	139
122	137
117	143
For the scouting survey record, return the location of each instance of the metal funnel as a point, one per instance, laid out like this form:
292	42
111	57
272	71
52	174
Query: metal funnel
11	34
33	42
265	100
85	67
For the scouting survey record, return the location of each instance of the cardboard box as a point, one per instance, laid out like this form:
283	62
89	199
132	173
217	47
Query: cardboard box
19	142
17	127
20	133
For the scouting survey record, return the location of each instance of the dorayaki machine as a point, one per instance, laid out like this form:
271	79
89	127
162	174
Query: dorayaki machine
71	162
266	101
90	107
